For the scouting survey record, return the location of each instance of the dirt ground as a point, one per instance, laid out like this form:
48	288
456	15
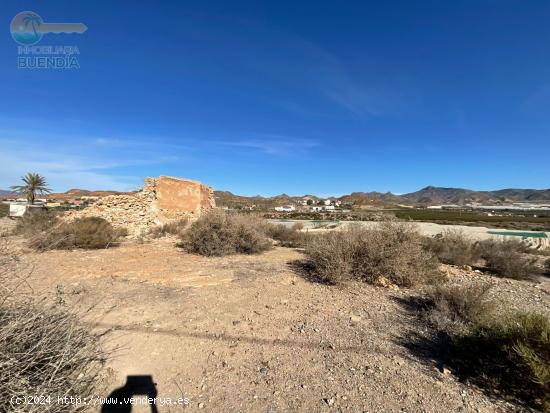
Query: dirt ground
250	334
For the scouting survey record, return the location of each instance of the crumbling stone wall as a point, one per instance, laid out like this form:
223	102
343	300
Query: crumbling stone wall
162	200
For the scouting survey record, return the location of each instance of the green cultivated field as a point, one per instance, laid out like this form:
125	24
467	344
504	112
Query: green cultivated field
515	221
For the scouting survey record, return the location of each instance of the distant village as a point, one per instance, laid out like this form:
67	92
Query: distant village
18	206
304	204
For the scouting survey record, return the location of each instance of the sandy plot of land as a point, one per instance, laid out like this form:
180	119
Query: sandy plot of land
249	334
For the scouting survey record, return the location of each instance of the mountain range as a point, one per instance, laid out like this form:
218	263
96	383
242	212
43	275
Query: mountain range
429	195
6	194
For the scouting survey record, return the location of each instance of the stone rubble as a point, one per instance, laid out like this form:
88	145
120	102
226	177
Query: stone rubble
141	211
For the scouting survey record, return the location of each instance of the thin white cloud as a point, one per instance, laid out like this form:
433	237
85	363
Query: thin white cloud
329	75
69	166
272	144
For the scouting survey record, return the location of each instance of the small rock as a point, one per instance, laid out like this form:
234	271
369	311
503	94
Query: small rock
201	405
330	401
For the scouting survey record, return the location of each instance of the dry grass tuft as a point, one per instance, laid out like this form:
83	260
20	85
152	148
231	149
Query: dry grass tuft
391	250
218	233
508	258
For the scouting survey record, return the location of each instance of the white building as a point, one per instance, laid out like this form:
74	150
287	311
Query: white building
285	208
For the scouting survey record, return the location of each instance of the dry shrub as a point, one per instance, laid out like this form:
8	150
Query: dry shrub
171	228
508	258
288	236
218	233
44	351
86	233
4	210
35	222
510	355
453	307
391	250
453	247
547	266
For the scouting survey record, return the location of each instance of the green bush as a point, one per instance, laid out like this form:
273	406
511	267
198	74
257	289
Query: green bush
508	258
86	233
218	233
506	353
454	247
510	355
391	250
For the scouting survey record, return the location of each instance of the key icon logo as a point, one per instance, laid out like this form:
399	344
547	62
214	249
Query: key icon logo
28	28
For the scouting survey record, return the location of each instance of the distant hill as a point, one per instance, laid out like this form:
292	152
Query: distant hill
77	193
371	198
429	195
529	195
434	195
226	198
7	194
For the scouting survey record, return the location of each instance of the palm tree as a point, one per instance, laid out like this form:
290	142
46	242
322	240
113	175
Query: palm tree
34	21
34	184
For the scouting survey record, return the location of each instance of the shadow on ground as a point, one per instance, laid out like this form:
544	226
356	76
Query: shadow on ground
120	400
424	344
306	270
234	339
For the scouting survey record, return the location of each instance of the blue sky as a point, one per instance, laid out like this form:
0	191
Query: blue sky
257	97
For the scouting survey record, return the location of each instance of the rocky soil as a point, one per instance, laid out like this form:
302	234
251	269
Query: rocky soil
249	334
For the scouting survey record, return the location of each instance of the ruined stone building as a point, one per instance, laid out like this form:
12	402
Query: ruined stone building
162	200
